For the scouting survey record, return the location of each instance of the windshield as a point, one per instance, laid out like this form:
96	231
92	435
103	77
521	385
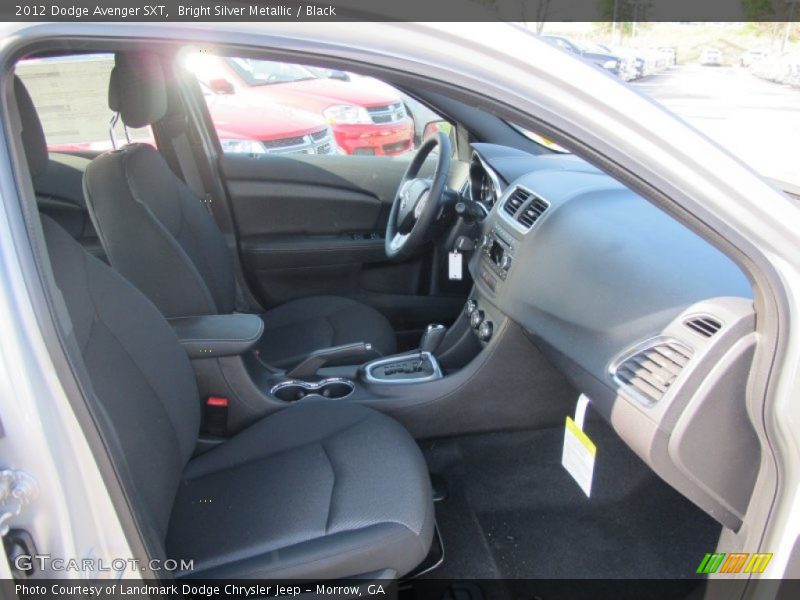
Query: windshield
267	72
540	139
738	83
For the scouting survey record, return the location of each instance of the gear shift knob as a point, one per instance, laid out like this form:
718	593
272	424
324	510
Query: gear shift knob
432	338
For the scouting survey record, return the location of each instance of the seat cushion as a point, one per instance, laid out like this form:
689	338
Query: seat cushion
294	329
318	490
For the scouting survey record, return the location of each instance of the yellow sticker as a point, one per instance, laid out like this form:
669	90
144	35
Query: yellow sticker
582	437
578	456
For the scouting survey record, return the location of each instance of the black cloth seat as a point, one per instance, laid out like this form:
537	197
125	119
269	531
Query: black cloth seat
318	490
316	478
160	236
57	178
321	322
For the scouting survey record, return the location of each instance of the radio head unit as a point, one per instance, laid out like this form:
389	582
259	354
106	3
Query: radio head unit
498	250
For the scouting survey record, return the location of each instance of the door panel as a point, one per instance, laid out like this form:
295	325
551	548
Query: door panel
275	208
314	225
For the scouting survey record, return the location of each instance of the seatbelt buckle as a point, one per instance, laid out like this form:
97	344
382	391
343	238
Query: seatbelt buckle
216	418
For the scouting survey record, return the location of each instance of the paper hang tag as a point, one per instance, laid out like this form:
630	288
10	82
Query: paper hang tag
455	264
579	451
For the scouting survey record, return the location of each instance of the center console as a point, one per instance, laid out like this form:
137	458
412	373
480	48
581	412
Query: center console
292	390
404	368
238	387
497	248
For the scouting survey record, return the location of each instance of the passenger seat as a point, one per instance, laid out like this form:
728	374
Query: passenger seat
318	490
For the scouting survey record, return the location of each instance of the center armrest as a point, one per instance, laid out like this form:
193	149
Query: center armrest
218	335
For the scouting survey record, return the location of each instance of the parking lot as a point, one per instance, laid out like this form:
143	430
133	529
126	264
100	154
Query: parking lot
756	120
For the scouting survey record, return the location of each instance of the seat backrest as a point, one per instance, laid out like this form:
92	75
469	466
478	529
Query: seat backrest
143	384
155	231
57	177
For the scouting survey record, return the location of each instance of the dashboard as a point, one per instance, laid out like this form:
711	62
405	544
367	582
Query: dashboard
647	319
483	184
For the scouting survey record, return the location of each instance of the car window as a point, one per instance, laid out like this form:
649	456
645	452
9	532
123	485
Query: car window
270	107
540	139
738	83
70	94
265	72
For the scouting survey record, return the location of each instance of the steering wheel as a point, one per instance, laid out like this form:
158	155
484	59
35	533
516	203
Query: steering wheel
418	200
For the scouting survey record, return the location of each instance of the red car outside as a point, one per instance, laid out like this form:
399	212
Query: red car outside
81	83
246	127
365	115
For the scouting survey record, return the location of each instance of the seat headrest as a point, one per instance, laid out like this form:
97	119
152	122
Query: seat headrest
137	90
32	133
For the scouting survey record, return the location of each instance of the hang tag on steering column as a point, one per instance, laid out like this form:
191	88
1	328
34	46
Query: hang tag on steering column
579	451
455	266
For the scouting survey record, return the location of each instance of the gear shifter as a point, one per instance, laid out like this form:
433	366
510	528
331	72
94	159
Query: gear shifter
432	338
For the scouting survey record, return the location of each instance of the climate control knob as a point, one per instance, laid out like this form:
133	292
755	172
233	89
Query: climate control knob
470	307
485	331
476	318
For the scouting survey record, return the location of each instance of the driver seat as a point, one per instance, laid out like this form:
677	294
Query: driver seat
157	234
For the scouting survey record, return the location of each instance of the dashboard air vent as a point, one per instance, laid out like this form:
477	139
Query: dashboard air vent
532	212
515	201
650	372
705	326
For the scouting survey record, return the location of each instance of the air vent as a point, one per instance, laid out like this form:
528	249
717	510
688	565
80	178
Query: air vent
705	326
650	372
532	212
515	201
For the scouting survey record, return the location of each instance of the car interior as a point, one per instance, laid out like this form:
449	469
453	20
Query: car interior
338	366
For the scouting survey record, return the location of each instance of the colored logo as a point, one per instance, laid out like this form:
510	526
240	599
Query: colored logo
735	562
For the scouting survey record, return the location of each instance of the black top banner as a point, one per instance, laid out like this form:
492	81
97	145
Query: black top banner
401	10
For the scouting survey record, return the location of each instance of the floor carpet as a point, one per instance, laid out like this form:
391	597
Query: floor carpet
512	511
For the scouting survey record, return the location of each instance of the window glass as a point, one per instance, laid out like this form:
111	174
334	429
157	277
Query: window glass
71	97
738	83
270	107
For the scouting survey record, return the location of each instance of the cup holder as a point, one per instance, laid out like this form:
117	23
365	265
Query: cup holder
294	390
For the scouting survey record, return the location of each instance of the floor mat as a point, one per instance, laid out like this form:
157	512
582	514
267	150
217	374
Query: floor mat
512	511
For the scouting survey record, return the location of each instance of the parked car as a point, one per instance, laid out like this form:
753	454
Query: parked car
241	126
748	57
247	127
671	54
711	57
420	114
627	70
783	69
632	65
366	117
606	60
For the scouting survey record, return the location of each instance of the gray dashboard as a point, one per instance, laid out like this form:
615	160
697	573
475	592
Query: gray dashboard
646	318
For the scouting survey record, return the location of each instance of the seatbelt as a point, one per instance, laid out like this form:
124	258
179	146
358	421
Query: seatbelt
188	166
191	175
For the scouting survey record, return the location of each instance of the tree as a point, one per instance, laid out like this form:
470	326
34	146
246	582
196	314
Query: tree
625	13
762	11
771	17
537	9
625	10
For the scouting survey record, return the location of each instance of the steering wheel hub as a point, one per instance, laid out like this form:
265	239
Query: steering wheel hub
411	199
